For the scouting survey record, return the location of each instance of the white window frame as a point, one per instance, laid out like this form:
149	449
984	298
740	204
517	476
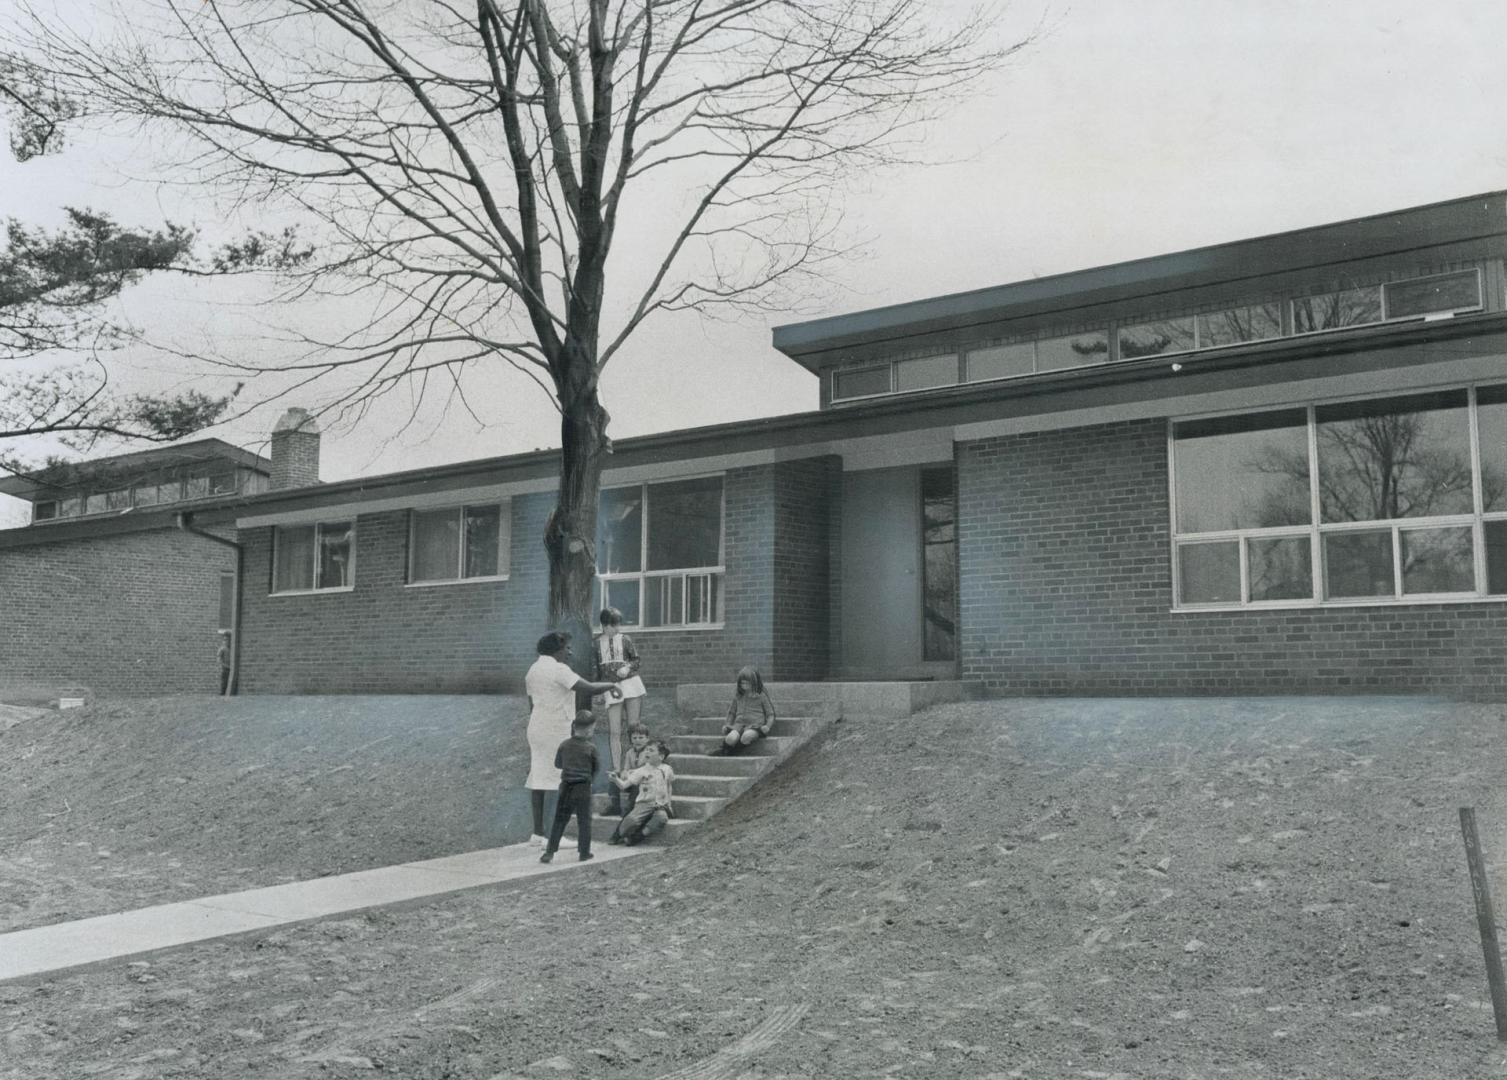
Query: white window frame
1317	529
319	527
644	577
504	545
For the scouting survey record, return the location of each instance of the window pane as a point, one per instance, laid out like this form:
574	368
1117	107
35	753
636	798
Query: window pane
702	598
1002	361
1437	561
685	524
1280	568
335	555
118	499
623	595
1255	323
1075	350
295	558
1441	292
860	382
620	525
1496	558
1153	339
1359	564
1209	573
145	495
663	599
926	372
73	506
1395	458
95	503
436	545
483	534
1491	424
1242	472
1348	307
44	511
222	483
196	487
171	491
939	567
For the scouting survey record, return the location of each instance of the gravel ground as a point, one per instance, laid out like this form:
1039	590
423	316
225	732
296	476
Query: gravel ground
1154	889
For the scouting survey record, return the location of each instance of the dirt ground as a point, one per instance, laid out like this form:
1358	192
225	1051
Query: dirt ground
1113	890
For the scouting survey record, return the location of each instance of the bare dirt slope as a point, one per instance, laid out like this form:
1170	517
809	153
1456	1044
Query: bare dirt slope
1104	889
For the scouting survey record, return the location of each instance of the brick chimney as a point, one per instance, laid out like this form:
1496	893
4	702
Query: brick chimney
295	451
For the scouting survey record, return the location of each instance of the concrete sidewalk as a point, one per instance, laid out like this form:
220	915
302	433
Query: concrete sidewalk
87	942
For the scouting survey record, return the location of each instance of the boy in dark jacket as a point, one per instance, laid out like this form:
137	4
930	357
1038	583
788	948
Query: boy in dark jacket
577	761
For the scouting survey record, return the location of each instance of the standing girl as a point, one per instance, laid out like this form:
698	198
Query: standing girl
751	716
617	663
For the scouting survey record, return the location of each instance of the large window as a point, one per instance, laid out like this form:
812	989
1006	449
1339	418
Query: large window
459	543
659	552
1387	499
308	558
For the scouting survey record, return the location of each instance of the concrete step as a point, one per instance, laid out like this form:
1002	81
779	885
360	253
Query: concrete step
602	829
783	725
687	807
717	787
743	765
774	746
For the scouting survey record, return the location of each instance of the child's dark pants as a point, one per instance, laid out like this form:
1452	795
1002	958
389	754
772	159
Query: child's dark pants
574	798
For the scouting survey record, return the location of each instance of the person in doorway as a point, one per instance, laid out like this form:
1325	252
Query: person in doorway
617	663
577	761
751	715
552	688
223	654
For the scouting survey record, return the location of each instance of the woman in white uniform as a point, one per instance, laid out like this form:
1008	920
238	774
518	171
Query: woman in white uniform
552	688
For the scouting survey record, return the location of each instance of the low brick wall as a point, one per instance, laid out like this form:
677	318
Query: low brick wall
1065	555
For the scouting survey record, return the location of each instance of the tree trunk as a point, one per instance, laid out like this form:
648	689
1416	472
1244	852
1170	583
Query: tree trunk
570	535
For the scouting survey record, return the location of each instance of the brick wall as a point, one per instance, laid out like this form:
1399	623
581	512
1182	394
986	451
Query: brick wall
1065	559
135	613
383	637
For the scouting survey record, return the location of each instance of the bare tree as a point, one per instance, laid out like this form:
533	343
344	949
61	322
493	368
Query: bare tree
475	164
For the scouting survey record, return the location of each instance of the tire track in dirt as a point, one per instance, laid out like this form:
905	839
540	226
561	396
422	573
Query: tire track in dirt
729	1061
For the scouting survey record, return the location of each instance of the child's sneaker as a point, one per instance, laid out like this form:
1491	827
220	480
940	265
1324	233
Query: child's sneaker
636	838
585	855
614	839
548	856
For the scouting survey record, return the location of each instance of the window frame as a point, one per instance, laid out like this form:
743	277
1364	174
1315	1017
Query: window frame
504	545
319	527
643	576
1317	528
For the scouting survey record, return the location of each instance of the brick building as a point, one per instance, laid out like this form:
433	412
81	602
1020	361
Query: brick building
1271	466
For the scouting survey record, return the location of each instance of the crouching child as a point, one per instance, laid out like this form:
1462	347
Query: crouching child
652	811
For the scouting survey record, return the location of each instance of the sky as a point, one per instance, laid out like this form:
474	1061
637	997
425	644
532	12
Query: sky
1130	128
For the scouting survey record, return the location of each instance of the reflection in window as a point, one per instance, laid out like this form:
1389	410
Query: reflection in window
1209	573
1074	350
620	528
310	557
1242	472
334	570
860	382
1332	311
939	566
1491	429
1395	458
1153	339
483	543
1001	361
1358	564
685	524
293	561
926	372
1255	323
1437	561
1460	291
1279	568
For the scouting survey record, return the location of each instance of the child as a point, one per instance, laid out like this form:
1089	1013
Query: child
652	810
617	662
577	761
635	757
751	716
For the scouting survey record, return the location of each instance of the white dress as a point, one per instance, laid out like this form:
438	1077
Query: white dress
550	686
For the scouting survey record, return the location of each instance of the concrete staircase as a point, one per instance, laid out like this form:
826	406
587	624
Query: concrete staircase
704	783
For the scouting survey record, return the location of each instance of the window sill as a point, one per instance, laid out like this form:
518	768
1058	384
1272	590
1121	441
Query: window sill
682	627
313	592
1349	604
456	581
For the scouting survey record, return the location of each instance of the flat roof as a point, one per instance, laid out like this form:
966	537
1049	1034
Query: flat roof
32	487
1471	218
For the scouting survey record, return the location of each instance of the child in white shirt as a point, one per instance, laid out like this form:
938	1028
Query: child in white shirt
653	810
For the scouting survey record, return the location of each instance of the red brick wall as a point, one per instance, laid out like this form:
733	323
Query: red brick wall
135	613
1065	559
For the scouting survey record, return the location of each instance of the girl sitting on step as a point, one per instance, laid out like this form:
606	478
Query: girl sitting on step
751	715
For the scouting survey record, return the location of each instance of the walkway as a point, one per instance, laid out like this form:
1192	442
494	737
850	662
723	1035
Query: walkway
87	942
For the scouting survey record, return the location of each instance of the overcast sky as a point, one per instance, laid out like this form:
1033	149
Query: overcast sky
1133	128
